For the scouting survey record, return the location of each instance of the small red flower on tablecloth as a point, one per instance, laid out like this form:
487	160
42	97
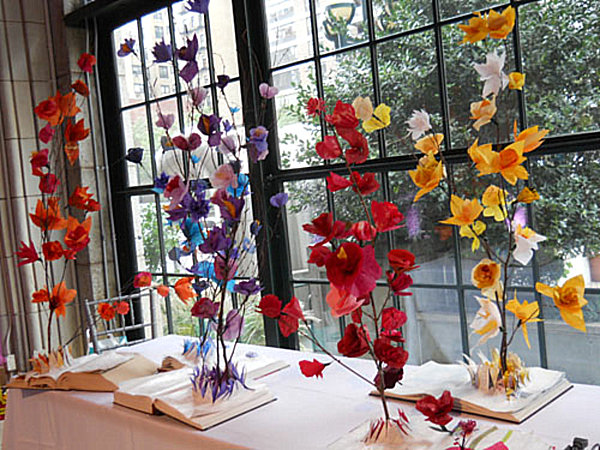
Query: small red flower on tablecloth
312	368
436	409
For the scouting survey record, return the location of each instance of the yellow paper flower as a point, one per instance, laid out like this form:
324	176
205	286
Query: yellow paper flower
568	298
483	111
506	162
427	176
531	138
525	312
473	232
381	118
480	154
494	200
528	195
487	320
476	30
430	144
516	80
363	108
501	24
464	212
486	276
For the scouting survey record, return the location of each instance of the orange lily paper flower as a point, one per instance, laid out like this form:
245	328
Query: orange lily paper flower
483	111
78	234
528	195
464	212
501	24
525	312
568	298
427	176
184	290
50	218
476	30
531	138
162	290
507	162
67	104
52	250
481	155
430	144
82	199
60	297
74	134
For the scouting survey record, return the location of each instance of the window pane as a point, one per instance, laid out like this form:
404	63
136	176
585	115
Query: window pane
166	160
129	69
290	32
451	8
560	41
340	24
135	129
223	38
395	16
145	225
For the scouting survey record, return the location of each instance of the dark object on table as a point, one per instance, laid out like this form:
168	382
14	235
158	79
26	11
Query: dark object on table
578	444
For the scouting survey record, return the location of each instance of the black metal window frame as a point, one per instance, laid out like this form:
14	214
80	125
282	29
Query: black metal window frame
254	57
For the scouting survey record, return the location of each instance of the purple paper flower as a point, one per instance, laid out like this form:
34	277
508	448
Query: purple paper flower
161	182
267	91
250	287
205	308
199	6
222	81
198	95
216	241
174	254
189	72
259	147
135	155
230	207
126	48
210	126
162	52
234	325
228	144
165	121
279	200
255	227
188	52
413	222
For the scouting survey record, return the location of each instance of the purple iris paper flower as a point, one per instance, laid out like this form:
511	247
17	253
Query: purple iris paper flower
214	139
216	241
199	187
165	121
160	183
267	91
198	208
228	145
255	227
248	246
227	126
218	382
222	81
259	147
279	200
199	6
188	52
250	287
198	94
209	126
162	52
205	308
189	72
200	286
126	48
229	206
174	254
135	155
234	325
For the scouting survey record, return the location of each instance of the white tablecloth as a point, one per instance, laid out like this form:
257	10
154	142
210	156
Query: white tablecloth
309	414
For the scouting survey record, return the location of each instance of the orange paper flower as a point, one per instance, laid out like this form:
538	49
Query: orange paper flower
430	144
476	30
528	195
60	297
501	24
464	212
106	311
531	138
486	275
184	289
78	234
568	298
81	88
506	162
52	250
74	134
427	176
483	111
48	218
162	290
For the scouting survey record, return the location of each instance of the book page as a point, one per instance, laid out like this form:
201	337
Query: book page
101	363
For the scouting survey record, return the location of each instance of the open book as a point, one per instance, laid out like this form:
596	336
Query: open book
94	372
432	378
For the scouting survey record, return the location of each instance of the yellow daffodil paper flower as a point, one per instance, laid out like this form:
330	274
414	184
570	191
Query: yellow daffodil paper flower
473	232
464	212
568	298
531	138
430	144
525	312
363	108
427	176
516	80
501	24
483	111
480	154
381	118
528	195
494	200
476	30
506	162
487	320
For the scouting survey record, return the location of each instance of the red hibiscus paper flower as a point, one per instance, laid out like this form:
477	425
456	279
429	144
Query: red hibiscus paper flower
329	148
436	410
353	269
341	302
366	184
325	226
393	356
354	343
399	282
343	116
392	318
318	255
122	307
336	182
401	260
270	306
386	216
363	231
312	368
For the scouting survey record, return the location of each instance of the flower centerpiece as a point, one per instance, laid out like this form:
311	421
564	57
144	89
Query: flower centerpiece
496	219
63	219
207	193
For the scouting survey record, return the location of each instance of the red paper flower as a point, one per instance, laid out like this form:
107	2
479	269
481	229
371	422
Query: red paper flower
106	311
74	134
399	282
48	110
319	255
162	290
392	318
343	116
354	343
325	226
270	306
436	410
39	160
401	260
121	307
356	316
359	146
293	309
184	290
353	269
386	216
392	335
78	234
391	376
363	231
52	250
336	182
86	62
142	279
46	134
290	316
315	106
81	88
366	184
395	357
329	148
48	183
341	302
312	368
27	254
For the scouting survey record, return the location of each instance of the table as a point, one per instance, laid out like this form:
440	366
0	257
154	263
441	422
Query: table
309	414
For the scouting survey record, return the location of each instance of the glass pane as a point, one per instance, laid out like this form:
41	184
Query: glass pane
408	79
307	200
135	130
431	242
290	32
560	43
223	39
451	8
297	133
129	68
167	160
392	16
464	88
433	328
183	322
145	226
341	23
161	77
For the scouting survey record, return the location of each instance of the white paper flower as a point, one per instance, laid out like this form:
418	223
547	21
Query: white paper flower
418	124
526	241
487	320
491	72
